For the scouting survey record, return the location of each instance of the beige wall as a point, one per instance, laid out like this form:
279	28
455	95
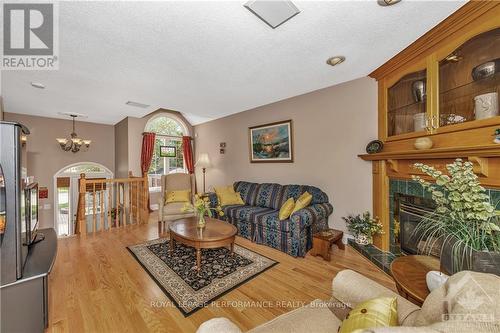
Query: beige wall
45	157
121	149
330	127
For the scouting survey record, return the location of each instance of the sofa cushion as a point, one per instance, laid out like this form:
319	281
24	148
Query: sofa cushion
269	195
248	191
271	221
287	209
302	202
295	191
244	213
227	196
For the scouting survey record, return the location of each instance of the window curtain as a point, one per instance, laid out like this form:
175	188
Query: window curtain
148	147
187	149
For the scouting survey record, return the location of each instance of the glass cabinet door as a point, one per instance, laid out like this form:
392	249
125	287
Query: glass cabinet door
406	104
469	80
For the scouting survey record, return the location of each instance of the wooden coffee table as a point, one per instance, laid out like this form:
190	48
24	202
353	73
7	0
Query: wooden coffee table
409	273
215	234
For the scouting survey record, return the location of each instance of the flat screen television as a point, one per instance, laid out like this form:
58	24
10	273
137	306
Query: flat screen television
31	212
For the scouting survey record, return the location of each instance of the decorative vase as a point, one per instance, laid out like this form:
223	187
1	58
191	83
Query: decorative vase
486	105
419	123
423	143
201	221
363	239
418	90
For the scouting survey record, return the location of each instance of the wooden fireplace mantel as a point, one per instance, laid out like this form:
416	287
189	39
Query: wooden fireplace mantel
446	152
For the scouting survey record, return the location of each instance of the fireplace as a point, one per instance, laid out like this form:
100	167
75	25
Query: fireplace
408	211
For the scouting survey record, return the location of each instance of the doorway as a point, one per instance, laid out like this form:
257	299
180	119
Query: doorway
66	190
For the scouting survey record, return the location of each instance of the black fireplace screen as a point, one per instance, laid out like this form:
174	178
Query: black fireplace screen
410	210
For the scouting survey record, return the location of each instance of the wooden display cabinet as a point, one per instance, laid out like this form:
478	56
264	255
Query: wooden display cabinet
461	82
406	104
436	92
431	89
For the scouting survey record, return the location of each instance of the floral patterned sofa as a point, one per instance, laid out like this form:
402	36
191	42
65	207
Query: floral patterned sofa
257	220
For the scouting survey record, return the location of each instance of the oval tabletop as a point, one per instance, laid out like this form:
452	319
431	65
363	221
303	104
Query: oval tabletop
410	273
214	229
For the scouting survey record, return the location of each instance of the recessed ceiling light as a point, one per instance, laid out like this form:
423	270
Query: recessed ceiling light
333	61
387	2
138	105
274	13
38	85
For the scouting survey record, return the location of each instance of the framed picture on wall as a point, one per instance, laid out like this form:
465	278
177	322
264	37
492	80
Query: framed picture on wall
271	142
168	151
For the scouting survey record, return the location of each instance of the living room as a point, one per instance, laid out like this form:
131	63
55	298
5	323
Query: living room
250	166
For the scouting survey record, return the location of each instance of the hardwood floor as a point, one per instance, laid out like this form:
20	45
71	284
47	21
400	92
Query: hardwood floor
97	286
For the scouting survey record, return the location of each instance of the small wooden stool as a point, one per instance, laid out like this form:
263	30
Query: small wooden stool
323	241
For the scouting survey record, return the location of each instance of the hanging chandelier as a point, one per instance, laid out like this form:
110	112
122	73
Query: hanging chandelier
73	143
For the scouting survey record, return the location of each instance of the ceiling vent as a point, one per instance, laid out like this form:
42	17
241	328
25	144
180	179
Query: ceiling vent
138	105
274	13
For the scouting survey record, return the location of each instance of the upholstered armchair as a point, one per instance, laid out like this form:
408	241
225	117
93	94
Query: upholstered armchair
173	211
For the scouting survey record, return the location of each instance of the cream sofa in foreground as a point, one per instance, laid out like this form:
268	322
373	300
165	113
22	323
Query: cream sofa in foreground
467	302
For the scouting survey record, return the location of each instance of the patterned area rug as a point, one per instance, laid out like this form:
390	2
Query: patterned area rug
177	275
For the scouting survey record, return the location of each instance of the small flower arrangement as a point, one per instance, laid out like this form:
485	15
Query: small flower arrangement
363	227
201	208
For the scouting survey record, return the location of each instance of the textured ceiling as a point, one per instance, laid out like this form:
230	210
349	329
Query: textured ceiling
209	59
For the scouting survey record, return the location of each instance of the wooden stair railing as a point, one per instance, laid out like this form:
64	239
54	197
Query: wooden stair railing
104	204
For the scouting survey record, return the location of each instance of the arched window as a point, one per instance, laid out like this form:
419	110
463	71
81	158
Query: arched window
168	154
85	168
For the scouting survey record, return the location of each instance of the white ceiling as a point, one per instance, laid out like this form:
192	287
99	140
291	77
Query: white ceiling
209	59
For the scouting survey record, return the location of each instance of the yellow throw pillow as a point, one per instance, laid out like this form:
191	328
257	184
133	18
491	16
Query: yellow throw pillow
227	196
286	209
303	201
377	312
178	196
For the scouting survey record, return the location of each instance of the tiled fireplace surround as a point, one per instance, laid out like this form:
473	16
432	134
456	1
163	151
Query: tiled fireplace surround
383	259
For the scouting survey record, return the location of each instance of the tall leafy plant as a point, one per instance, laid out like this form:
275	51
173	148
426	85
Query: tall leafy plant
463	212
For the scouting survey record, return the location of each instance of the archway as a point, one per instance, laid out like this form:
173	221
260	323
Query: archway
66	192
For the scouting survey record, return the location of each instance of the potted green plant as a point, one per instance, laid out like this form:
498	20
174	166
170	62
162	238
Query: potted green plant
464	221
363	227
